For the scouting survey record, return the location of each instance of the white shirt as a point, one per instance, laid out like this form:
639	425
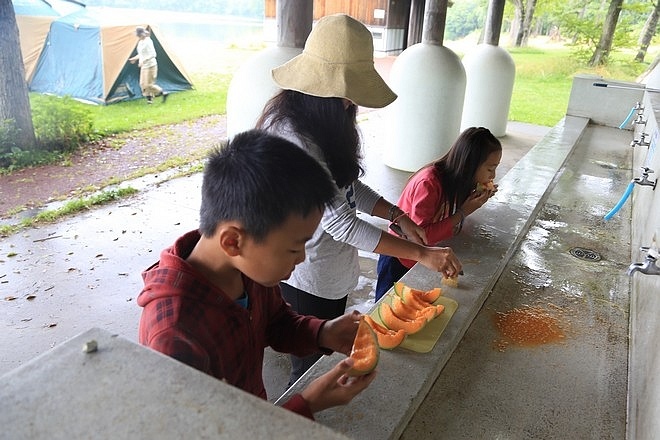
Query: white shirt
146	53
331	268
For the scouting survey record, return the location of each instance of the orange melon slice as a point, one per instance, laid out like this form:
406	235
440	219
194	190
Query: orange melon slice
413	300
429	295
485	186
393	322
365	351
398	288
387	339
403	310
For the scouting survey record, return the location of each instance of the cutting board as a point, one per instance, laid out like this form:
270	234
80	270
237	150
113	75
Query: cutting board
424	340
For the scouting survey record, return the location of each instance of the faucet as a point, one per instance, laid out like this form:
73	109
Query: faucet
640	119
641	142
648	267
644	180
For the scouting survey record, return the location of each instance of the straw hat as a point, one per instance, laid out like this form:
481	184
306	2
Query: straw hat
337	62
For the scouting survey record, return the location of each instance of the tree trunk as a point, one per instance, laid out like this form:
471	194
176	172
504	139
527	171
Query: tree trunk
524	13
641	78
14	99
527	22
605	43
648	32
517	23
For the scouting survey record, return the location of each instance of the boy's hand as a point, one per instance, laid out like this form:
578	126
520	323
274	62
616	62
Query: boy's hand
334	388
338	334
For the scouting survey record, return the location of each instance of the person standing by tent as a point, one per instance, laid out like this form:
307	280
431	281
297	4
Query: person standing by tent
146	59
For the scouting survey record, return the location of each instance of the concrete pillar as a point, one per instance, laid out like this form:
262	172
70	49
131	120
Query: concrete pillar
252	85
490	73
429	80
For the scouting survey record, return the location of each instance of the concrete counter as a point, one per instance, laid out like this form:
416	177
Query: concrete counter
489	237
127	391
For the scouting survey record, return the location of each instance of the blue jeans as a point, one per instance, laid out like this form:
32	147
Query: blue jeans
390	270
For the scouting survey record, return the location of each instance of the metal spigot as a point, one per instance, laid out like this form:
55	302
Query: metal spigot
644	180
641	142
648	267
639	107
640	119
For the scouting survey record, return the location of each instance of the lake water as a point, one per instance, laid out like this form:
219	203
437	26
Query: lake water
194	26
205	42
213	28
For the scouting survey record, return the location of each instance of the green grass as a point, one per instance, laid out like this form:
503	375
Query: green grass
544	78
542	85
70	208
208	97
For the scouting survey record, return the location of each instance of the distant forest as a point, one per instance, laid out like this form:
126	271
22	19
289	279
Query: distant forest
242	8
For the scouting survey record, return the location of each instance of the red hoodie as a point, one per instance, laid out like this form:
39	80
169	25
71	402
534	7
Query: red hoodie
189	319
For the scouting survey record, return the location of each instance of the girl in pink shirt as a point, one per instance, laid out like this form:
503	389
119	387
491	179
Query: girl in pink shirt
440	195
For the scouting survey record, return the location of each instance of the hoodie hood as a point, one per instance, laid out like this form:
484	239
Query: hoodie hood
172	276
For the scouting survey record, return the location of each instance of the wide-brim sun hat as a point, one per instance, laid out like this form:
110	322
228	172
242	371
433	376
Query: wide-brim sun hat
337	62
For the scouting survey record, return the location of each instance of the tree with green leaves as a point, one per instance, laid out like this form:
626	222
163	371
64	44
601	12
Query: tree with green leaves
14	100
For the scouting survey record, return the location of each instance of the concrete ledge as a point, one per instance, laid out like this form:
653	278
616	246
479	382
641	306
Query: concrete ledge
127	391
488	239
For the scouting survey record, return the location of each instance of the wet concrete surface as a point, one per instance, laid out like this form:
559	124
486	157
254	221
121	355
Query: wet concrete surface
504	380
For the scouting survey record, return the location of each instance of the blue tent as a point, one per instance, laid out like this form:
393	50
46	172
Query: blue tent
86	57
33	18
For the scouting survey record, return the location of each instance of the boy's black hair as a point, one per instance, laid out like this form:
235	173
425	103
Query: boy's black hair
259	180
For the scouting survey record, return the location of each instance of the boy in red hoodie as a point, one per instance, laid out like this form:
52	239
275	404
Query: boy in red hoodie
213	300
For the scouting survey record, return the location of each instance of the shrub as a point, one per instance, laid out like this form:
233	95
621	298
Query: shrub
8	135
61	126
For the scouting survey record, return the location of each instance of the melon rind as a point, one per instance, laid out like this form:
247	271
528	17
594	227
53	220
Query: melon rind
387	339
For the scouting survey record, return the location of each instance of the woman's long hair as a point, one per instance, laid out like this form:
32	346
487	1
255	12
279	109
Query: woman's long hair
326	123
458	167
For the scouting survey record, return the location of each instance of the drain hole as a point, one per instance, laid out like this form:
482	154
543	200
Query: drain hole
585	254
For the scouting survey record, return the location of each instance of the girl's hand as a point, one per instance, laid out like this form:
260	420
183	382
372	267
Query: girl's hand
443	260
411	231
476	201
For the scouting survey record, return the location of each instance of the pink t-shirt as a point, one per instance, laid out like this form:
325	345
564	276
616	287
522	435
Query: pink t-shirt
420	199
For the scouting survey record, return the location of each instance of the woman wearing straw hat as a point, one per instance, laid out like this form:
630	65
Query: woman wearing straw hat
317	108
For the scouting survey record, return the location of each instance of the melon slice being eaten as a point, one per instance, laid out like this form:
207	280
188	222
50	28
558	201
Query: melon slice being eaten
365	351
485	186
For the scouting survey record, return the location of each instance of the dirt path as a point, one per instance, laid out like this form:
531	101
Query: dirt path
116	158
